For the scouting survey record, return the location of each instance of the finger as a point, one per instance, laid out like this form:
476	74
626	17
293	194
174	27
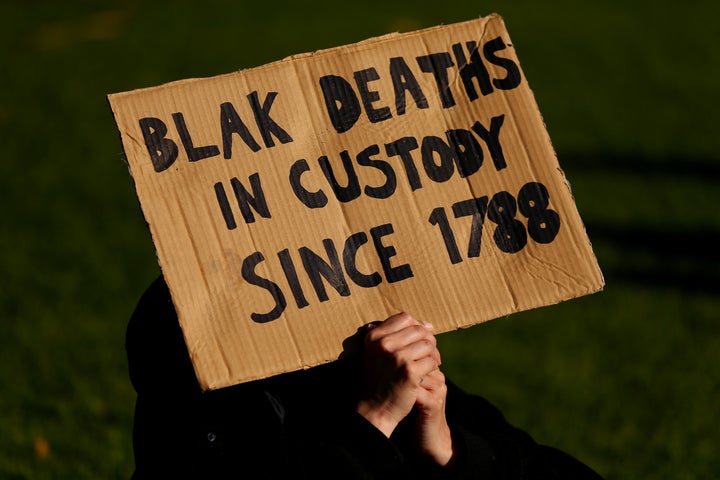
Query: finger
433	380
431	400
393	324
436	376
403	338
419	369
433	392
419	349
412	365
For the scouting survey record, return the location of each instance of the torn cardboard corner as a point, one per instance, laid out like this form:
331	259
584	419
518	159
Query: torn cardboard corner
292	203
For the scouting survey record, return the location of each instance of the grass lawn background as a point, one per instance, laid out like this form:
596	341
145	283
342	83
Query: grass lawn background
627	379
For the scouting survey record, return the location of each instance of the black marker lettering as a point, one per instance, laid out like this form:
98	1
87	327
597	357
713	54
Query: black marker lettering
291	274
316	199
492	139
248	273
267	126
352	244
476	208
392	274
230	122
317	269
438	64
475	70
225	208
513	78
194	153
467	151
341	102
163	151
362	78
403	147
437	172
510	235
439	217
543	223
388	188
349	192
404	81
245	200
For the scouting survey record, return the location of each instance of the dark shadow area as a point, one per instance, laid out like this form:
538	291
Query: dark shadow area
685	260
653	254
705	168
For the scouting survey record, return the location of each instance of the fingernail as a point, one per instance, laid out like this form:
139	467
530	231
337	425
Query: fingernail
370	326
428	325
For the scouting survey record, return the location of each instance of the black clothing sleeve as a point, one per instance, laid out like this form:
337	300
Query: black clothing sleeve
300	424
180	431
515	454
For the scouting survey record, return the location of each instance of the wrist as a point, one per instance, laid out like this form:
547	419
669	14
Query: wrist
378	416
441	450
443	455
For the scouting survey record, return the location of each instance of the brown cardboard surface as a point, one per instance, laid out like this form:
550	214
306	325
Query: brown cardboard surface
280	286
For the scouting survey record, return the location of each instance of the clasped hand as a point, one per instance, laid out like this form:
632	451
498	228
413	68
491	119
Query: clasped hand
401	364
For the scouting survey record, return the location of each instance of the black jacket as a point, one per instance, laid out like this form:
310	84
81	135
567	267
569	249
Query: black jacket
300	424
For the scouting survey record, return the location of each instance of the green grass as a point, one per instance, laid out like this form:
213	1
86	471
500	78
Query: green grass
625	379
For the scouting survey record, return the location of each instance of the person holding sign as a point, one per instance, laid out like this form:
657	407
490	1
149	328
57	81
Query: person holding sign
386	412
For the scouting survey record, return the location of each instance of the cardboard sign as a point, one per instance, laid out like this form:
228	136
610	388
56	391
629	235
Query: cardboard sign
292	203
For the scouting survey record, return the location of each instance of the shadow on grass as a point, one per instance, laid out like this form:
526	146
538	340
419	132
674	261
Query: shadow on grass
676	252
660	263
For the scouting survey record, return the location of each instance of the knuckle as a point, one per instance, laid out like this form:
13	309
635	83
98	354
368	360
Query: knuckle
400	317
385	344
408	319
420	332
402	358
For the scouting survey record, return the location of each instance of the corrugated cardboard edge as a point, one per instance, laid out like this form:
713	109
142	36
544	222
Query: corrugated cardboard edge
373	43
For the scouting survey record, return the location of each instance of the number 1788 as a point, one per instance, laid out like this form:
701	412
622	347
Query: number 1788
510	235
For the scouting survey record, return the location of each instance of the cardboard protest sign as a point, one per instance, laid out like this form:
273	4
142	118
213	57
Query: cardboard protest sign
292	203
